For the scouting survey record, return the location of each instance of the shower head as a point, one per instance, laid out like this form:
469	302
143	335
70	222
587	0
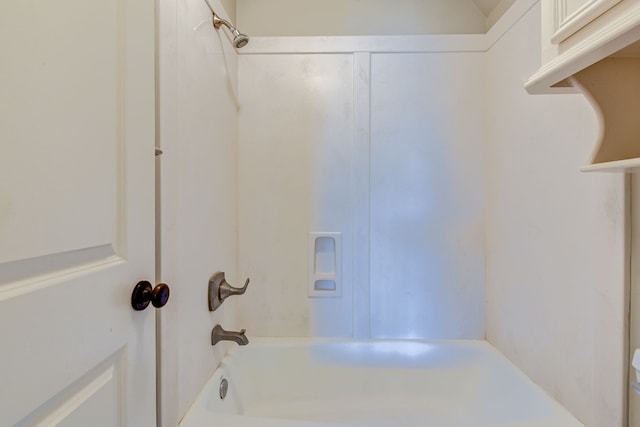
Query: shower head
239	39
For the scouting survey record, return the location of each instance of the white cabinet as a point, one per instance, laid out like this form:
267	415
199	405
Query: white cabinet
592	47
569	16
578	33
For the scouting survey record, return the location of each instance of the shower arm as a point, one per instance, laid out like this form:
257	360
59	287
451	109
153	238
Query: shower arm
239	40
218	22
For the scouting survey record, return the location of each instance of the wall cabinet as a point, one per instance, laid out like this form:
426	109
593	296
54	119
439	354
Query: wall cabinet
592	47
569	16
586	29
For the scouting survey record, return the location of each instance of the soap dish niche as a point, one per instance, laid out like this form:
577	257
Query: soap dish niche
324	285
325	264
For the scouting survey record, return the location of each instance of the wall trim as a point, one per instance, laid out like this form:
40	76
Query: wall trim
431	43
373	44
362	195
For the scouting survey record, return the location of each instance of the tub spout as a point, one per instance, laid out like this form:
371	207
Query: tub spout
218	334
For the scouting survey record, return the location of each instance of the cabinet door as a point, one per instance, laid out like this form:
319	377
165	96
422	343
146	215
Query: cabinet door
572	15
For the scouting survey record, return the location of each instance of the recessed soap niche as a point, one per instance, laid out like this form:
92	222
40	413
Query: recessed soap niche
325	264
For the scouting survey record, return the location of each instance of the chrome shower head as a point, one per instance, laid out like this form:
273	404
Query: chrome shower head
239	39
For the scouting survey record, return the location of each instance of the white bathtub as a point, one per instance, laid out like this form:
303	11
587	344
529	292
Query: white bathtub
311	383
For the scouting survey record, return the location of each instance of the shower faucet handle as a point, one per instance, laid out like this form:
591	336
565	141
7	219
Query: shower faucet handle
226	290
219	290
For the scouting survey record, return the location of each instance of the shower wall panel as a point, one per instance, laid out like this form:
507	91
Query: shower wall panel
295	177
198	134
427	195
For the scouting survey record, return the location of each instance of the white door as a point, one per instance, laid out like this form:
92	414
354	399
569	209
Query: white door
76	212
634	314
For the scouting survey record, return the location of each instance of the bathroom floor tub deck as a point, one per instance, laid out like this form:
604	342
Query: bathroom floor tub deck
313	383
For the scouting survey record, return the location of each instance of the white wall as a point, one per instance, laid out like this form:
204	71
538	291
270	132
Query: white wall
301	170
358	17
198	133
555	238
230	8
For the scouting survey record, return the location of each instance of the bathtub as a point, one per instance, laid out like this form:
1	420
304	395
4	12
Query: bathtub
312	383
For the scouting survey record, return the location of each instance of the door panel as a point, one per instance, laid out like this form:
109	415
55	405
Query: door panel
80	404
53	55
76	212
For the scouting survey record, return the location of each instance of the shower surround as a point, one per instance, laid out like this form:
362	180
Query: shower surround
420	151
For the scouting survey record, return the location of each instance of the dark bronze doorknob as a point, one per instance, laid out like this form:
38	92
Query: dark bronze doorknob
144	293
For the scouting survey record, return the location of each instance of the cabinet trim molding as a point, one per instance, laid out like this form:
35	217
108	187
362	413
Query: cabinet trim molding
565	25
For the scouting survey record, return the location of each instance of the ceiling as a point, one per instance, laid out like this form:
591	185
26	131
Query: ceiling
486	6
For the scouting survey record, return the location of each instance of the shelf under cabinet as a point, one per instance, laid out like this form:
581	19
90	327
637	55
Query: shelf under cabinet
627	165
601	60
